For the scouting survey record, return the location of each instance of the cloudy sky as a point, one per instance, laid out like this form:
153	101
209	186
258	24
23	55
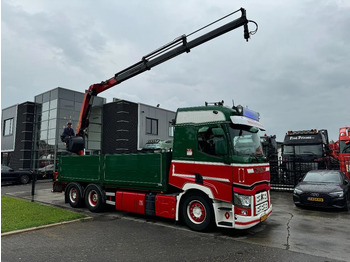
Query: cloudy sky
295	70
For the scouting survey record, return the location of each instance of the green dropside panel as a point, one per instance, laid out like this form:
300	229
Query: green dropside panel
137	171
145	171
80	169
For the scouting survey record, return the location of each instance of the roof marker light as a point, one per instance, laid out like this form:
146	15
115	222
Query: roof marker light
251	114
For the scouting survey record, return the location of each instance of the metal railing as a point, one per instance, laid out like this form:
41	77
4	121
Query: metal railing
285	175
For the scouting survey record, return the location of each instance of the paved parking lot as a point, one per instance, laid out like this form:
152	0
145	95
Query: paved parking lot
313	232
316	232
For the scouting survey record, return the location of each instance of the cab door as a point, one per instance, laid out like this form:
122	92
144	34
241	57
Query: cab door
212	160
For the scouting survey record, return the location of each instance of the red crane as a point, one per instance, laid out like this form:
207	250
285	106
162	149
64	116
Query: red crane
178	46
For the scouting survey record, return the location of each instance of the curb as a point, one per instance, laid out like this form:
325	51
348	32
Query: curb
44	226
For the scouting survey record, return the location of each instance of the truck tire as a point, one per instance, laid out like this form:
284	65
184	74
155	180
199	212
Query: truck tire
75	195
94	198
197	212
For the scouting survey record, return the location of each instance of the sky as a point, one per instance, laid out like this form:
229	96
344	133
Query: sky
295	71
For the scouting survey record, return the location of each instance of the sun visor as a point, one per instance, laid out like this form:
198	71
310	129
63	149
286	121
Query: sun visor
242	120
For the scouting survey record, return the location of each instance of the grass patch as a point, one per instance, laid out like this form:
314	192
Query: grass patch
21	214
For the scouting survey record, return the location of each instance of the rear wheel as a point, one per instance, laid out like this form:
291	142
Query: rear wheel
94	198
74	195
197	212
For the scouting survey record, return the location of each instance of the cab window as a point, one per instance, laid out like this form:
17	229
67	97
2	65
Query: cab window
211	141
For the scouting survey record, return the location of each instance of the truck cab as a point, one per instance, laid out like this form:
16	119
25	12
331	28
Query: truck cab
306	146
217	151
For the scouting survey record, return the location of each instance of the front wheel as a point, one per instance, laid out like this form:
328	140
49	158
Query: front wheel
197	212
94	198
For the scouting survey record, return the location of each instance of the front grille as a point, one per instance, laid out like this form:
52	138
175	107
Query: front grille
327	201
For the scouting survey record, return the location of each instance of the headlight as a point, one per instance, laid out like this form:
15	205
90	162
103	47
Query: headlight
297	191
337	194
242	200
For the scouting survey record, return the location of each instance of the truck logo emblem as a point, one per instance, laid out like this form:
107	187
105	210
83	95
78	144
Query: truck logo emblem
259	169
227	215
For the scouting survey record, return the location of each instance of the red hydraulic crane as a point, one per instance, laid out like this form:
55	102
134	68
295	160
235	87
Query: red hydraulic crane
178	46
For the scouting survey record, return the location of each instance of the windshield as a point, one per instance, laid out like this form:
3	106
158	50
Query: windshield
246	140
323	177
315	150
343	147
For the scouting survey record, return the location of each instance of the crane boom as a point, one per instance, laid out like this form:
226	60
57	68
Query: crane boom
178	46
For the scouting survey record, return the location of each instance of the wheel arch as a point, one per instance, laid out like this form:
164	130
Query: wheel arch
191	188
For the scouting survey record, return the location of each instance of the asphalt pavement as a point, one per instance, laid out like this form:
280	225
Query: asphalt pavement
290	234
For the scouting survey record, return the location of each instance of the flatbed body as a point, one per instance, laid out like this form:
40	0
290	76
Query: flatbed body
141	171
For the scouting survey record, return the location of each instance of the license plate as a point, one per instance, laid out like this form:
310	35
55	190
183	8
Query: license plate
315	199
260	198
261	208
263	218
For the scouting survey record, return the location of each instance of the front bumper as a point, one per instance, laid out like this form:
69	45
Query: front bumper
227	218
328	202
244	222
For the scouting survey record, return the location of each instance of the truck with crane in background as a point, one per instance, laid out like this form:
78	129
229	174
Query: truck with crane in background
215	174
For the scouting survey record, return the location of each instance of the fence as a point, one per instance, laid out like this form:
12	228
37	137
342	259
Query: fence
285	175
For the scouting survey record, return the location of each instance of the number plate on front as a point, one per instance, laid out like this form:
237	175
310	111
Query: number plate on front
260	197
261	208
316	199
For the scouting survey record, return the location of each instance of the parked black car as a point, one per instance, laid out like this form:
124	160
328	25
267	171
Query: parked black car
323	188
46	171
10	175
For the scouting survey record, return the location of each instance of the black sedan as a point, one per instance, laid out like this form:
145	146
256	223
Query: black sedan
323	188
46	171
10	175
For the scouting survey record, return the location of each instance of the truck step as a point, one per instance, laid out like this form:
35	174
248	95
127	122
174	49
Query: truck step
225	209
228	224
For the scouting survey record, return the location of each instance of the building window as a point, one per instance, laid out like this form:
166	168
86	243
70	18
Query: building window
171	129
8	127
151	126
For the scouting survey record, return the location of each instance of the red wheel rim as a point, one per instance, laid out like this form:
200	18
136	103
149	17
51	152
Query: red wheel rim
93	198
196	212
73	195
